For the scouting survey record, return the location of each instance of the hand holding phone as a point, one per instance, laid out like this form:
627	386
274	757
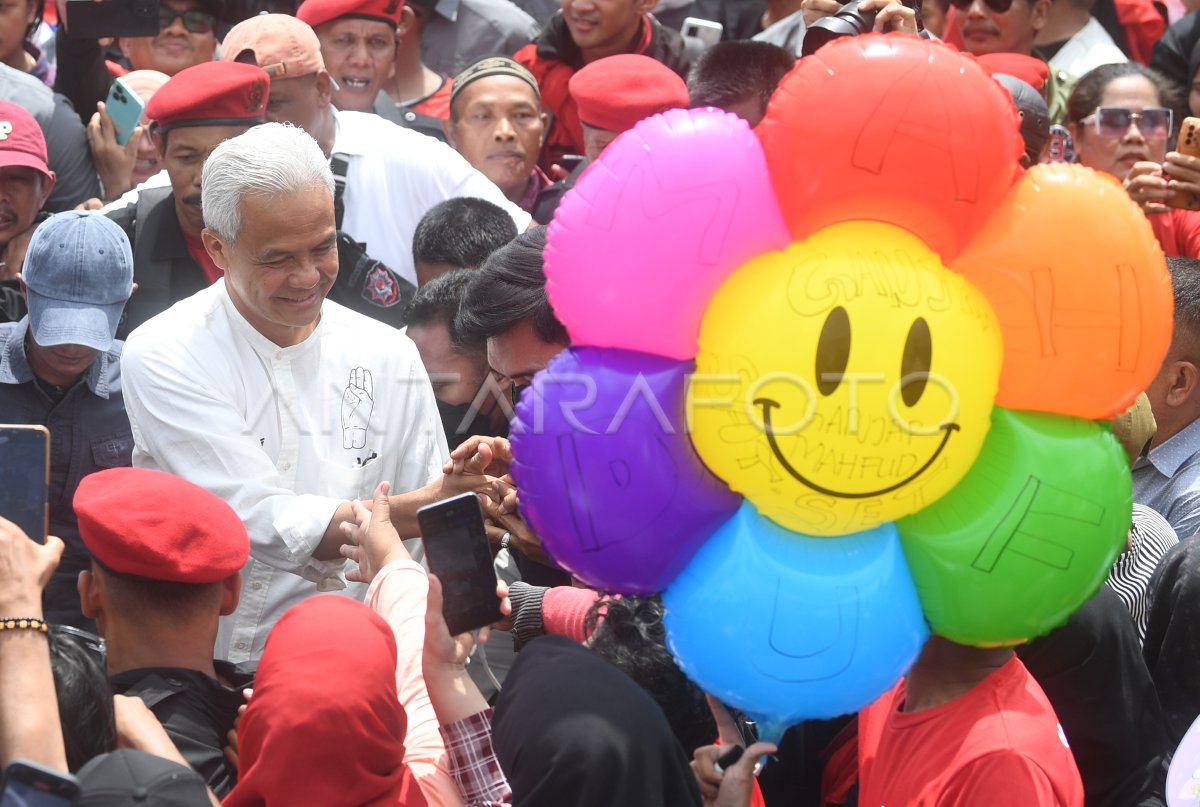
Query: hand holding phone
125	109
457	548
1188	145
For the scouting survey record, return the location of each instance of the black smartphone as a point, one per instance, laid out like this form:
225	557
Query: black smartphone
28	784
89	19
25	478
456	545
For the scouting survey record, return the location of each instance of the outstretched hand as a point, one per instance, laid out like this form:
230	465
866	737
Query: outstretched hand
372	541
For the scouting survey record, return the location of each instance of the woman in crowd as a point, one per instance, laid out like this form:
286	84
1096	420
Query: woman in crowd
1121	119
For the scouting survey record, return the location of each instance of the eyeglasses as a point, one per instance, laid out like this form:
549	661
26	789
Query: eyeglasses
515	390
998	6
196	22
1114	121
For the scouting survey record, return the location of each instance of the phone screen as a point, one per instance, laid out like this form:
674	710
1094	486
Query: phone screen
27	784
456	545
25	478
29	794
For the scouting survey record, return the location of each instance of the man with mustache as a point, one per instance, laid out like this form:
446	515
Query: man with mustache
585	31
358	44
192	113
1000	26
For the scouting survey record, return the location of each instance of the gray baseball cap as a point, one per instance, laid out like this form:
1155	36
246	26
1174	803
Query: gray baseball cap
78	275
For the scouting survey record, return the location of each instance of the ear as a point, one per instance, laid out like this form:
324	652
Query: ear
230	594
90	599
1040	14
217	249
448	130
123	46
324	88
47	188
646	6
545	129
160	145
407	20
1183	378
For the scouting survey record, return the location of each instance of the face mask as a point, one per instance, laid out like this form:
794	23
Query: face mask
460	421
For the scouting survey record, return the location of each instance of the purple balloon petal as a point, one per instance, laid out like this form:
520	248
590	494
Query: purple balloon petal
606	469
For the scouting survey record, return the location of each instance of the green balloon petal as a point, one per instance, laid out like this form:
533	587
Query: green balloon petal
1027	536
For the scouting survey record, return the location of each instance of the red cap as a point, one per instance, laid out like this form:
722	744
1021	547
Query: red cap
318	12
211	94
616	92
1030	69
21	139
159	526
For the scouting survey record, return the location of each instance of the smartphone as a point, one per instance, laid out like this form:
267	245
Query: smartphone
25	478
89	19
125	107
1189	144
706	31
27	784
457	548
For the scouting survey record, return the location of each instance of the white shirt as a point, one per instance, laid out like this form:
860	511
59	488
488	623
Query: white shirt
1087	50
282	434
395	175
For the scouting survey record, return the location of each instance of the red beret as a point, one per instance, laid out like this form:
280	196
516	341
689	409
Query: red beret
616	92
1030	69
318	12
159	526
211	94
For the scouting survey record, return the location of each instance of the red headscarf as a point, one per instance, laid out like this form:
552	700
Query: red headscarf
324	725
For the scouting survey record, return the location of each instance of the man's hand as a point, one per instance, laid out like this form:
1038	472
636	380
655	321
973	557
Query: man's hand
480	455
114	162
892	15
372	542
441	649
25	569
733	786
357	402
504	518
818	9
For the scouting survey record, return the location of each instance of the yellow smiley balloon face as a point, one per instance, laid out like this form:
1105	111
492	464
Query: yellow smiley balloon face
845	381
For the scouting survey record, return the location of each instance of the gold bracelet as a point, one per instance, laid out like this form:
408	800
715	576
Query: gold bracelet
24	623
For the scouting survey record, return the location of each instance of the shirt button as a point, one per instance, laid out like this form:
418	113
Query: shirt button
257	586
287	403
242	645
279	355
285	466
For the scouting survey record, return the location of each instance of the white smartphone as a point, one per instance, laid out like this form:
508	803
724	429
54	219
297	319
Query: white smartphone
706	31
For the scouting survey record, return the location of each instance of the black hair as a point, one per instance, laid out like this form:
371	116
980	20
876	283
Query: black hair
509	288
1185	283
462	232
132	595
439	301
1090	89
85	700
628	633
733	71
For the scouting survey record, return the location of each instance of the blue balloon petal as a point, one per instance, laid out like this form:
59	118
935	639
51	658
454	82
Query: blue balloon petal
790	627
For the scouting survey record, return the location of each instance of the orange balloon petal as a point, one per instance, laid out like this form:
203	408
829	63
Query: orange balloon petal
1080	285
895	129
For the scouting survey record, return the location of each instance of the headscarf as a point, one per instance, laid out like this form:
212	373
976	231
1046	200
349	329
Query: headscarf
571	729
325	726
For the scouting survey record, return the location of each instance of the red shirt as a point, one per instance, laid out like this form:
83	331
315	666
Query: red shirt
995	746
1178	232
437	103
195	247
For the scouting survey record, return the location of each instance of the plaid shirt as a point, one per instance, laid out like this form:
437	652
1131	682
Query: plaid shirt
473	763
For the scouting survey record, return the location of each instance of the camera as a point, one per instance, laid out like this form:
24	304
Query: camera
848	21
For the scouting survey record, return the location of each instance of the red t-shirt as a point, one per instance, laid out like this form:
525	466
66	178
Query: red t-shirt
195	247
1178	232
996	746
437	103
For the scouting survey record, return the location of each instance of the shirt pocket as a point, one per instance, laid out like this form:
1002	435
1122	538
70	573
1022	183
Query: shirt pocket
113	450
348	482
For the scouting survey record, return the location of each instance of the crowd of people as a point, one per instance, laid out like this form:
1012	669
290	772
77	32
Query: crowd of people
273	280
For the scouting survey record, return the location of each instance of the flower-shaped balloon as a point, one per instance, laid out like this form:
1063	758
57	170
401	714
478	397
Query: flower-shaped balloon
841	381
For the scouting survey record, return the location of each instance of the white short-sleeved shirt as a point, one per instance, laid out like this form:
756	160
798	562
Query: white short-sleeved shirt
395	175
282	434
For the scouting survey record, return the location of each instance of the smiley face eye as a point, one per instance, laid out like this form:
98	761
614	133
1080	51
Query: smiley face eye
833	350
915	363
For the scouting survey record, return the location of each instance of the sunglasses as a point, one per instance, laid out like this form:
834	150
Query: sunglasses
515	390
1114	121
196	22
998	6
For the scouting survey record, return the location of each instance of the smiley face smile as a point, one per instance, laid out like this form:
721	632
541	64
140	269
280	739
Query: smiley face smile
767	405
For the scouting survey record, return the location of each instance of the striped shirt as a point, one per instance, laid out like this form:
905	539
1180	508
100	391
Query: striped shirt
1149	539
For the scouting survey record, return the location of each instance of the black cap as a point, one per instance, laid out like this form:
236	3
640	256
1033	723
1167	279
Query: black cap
129	777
